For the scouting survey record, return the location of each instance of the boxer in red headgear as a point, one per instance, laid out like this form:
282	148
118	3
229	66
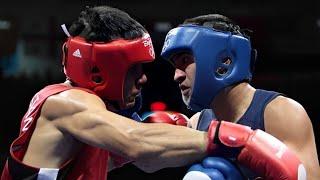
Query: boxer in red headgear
74	130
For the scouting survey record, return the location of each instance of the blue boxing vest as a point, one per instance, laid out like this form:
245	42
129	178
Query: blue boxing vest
253	117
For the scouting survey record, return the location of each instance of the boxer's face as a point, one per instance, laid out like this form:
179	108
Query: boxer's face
135	79
184	74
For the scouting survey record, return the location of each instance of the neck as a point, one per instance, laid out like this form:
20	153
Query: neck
232	102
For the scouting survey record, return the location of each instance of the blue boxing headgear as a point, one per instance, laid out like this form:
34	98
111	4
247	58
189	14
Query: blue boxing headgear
210	48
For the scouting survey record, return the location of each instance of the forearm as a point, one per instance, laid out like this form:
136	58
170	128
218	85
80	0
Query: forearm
161	144
157	143
168	146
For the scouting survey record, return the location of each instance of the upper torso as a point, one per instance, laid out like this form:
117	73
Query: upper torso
253	116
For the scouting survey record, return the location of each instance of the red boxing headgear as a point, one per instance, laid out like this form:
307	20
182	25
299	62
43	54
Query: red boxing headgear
102	67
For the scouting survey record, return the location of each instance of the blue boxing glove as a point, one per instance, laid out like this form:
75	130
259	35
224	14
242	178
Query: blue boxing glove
214	168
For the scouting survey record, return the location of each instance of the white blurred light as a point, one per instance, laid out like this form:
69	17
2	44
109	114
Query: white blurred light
318	23
4	25
162	26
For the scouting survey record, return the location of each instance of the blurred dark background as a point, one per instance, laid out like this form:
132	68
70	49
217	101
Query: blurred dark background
286	34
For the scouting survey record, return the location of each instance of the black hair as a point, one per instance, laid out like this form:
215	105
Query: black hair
104	24
218	22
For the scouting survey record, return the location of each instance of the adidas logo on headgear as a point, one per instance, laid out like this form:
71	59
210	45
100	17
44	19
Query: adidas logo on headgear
77	53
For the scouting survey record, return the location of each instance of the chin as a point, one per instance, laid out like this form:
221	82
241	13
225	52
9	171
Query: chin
186	100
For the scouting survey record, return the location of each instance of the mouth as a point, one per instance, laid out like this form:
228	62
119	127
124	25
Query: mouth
130	101
184	90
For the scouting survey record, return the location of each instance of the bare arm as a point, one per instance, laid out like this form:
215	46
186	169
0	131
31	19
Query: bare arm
288	121
152	146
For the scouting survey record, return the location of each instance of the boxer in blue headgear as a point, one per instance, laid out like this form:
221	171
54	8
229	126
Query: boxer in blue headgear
214	61
222	59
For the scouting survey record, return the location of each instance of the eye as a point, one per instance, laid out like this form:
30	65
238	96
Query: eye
181	61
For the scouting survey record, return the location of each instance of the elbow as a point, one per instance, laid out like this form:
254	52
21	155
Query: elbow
149	169
147	166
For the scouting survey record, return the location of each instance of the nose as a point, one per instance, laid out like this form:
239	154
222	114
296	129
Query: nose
141	81
179	75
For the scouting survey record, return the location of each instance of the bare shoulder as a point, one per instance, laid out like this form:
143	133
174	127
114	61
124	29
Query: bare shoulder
285	118
286	107
69	102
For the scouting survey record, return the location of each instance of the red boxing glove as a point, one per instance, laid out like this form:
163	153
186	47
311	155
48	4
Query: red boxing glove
261	152
167	117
